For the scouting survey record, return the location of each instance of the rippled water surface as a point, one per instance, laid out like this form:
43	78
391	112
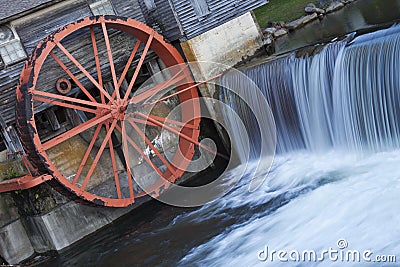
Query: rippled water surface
359	15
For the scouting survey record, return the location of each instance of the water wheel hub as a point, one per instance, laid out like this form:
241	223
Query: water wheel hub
118	109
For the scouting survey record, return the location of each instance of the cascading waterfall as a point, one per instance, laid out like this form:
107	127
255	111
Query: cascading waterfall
345	96
366	92
320	190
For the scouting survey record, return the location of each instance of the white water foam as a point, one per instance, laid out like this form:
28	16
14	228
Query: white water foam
332	196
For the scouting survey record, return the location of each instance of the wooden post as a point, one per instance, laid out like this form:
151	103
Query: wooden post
6	136
51	116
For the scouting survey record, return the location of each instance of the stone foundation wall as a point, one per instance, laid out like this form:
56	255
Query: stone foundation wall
40	220
29	226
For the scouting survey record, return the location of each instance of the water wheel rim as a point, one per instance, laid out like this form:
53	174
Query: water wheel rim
168	54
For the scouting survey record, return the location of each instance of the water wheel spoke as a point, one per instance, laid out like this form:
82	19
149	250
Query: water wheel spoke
110	59
148	94
170	121
63	104
83	70
183	90
87	153
128	167
72	76
140	151
146	122
99	154
114	165
74	131
97	60
139	66
180	134
69	99
128	64
152	147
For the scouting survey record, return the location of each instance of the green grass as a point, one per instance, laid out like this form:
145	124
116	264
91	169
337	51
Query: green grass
12	173
281	10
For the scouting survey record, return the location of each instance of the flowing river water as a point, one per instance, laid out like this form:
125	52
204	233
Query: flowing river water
335	180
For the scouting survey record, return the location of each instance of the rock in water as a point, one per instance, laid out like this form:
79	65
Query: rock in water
308	9
311	8
280	32
301	21
270	30
334	6
267	41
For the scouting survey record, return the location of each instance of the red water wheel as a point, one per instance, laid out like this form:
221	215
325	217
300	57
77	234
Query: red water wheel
77	135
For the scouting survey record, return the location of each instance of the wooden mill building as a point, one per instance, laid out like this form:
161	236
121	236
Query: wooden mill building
23	24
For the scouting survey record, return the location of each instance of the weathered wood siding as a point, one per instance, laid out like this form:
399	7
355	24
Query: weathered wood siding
8	81
163	19
221	11
31	31
129	9
152	18
170	28
33	28
8	9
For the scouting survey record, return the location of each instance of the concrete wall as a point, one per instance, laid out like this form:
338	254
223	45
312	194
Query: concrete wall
14	242
50	223
227	44
23	236
68	224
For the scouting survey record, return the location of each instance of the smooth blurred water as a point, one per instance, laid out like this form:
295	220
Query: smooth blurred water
309	202
345	96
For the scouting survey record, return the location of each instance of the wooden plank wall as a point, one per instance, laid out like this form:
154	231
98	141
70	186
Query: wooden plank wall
129	9
221	11
163	19
31	31
33	28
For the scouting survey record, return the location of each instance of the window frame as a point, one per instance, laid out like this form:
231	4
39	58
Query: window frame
199	11
100	3
8	43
